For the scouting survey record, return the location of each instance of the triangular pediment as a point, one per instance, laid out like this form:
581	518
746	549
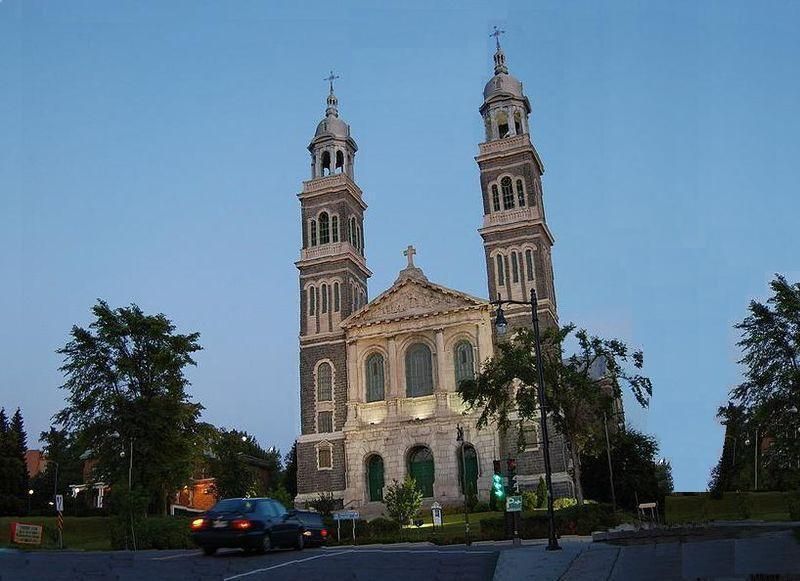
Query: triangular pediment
412	298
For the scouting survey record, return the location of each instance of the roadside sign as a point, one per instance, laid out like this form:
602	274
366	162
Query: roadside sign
59	502
346	515
25	534
514	504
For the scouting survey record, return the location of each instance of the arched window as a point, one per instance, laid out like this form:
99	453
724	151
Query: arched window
335	228
501	272
336	297
518	123
324	228
514	268
312	301
464	361
324	382
313	232
374	369
495	199
529	263
419	370
502	124
326	163
359	240
520	194
508	193
339	162
421	469
324	456
375	480
353	232
324	290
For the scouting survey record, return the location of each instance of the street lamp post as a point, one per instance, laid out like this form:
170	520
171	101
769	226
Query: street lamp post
460	439
502	325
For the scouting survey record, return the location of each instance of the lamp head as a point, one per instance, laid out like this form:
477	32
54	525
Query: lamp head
500	322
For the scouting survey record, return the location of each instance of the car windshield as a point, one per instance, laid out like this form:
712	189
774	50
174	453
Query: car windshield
235	505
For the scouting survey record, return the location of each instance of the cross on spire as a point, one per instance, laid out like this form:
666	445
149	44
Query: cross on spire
409	253
330	78
496	34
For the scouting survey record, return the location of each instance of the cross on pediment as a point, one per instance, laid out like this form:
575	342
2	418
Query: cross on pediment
409	253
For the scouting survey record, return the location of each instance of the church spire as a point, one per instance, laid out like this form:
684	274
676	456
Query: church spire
499	55
333	102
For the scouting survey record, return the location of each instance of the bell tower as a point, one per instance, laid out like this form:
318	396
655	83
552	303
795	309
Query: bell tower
516	239
333	285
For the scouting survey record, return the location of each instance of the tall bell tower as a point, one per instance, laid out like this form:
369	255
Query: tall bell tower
333	285
516	238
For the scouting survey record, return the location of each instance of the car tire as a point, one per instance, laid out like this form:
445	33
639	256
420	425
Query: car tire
300	542
266	544
209	551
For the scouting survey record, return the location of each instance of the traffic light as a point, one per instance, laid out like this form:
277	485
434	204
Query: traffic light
513	487
498	488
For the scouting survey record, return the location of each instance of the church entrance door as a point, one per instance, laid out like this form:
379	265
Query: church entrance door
421	469
375	478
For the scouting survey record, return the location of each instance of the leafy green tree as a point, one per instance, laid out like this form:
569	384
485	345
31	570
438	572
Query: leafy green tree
11	468
240	466
402	500
61	448
324	503
732	471
664	478
128	399
290	471
579	389
19	443
770	392
633	459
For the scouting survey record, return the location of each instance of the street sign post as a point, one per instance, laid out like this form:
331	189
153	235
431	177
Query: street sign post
60	519
60	502
341	515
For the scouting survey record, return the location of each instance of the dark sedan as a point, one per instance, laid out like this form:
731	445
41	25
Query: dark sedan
255	524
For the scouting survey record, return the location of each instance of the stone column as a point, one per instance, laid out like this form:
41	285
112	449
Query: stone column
440	386
512	129
391	376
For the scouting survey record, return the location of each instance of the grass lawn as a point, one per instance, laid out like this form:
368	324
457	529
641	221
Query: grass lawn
769	506
82	533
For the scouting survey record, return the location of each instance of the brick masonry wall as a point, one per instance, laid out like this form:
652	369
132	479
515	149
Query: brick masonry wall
309	479
309	356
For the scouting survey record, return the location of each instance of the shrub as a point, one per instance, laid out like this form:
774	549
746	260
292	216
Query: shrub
580	520
530	500
324	504
157	532
564	502
383	526
541	493
403	500
281	495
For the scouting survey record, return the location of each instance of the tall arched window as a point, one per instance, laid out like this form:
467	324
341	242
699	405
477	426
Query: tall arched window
464	361
324	290
359	240
514	268
508	193
324	228
335	228
518	123
339	162
312	301
324	382
336	298
419	370
495	199
501	271
313	232
326	163
529	263
520	194
374	369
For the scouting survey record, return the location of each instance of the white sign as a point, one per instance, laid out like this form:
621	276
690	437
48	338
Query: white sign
346	515
60	502
26	534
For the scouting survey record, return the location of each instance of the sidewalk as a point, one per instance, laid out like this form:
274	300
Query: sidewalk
769	554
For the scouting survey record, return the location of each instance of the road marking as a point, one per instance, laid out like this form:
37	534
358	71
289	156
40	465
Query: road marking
284	564
178	556
423	551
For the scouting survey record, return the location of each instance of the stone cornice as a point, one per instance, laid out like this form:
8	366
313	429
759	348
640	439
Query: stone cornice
332	252
499	148
331	184
503	227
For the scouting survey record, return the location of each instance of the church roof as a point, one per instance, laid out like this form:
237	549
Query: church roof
412	297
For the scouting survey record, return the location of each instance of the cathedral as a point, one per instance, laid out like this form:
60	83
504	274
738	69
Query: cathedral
378	377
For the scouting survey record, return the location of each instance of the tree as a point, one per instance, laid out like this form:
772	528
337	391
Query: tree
664	478
633	459
770	392
61	448
128	394
579	389
10	469
402	500
240	466
19	444
730	474
290	471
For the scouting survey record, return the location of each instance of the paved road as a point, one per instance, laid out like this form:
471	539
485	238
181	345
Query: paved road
418	563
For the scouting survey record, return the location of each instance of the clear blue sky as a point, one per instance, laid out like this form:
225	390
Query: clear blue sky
152	152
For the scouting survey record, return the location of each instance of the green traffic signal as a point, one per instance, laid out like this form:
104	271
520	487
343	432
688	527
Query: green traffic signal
498	486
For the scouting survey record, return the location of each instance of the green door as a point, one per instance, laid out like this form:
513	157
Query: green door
421	469
375	478
471	461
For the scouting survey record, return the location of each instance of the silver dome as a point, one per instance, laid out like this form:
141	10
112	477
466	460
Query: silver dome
332	126
502	84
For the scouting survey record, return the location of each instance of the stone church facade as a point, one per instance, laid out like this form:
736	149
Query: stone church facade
378	378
